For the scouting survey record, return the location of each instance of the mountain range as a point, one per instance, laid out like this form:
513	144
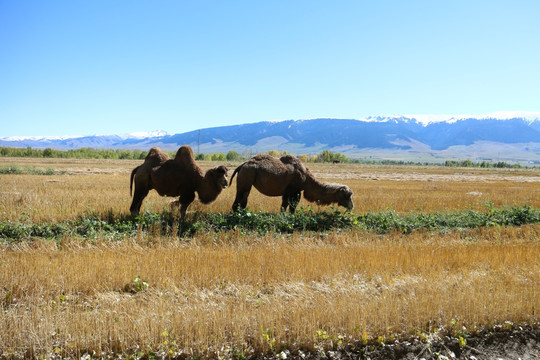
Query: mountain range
504	136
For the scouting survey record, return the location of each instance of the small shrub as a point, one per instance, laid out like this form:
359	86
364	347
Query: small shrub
136	286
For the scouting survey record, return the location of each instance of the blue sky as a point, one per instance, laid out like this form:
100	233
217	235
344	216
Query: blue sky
115	67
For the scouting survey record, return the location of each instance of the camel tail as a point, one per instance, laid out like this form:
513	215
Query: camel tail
131	179
234	174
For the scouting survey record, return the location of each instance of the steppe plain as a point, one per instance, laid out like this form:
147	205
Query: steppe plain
240	294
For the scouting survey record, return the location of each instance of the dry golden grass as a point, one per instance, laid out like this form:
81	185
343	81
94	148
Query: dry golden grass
233	289
100	186
257	292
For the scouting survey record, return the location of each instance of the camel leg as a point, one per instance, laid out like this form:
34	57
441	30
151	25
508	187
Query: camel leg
284	202
138	198
185	200
240	202
290	199
294	199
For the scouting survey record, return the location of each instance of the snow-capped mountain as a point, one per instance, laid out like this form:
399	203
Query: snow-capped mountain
144	135
502	135
132	135
527	116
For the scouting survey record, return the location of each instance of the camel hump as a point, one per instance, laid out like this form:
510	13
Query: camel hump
156	157
185	156
261	157
184	152
295	162
290	159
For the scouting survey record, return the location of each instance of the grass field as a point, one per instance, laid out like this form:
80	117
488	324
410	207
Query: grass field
237	293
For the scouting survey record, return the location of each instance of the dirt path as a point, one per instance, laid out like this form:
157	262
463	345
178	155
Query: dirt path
418	176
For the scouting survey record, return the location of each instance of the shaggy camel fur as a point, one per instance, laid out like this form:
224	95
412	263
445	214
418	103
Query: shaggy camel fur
178	177
285	177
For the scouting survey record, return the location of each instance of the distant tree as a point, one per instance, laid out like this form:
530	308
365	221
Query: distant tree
48	152
218	157
273	153
233	155
137	154
329	156
124	154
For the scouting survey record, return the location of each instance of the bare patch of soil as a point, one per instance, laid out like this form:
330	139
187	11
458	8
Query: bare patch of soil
520	343
418	176
516	344
94	171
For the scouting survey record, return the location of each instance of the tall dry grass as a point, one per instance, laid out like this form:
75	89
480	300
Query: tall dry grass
101	186
219	291
260	292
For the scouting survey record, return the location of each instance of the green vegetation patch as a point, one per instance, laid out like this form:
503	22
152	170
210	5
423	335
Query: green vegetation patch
112	226
17	170
383	222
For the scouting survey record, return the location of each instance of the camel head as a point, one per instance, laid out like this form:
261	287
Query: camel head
214	181
325	194
218	176
344	197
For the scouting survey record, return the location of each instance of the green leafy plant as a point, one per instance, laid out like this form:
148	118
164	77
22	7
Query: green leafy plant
111	226
136	285
269	338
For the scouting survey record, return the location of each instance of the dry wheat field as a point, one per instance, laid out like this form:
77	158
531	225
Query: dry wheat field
236	294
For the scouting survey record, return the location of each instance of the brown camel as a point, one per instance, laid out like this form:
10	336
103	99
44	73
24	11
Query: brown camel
285	177
180	176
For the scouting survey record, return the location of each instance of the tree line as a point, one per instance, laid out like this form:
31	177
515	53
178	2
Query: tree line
136	154
483	164
324	156
82	153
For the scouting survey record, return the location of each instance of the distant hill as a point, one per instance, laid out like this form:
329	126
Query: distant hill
513	136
